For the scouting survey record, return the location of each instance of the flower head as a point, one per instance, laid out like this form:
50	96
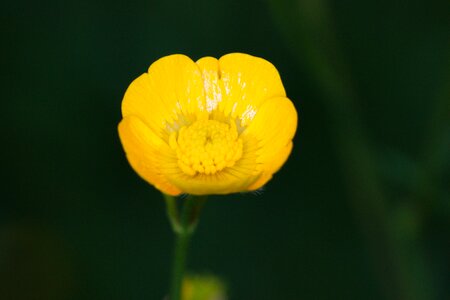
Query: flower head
215	126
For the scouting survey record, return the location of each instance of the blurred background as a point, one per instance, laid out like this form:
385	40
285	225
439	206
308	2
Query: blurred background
360	211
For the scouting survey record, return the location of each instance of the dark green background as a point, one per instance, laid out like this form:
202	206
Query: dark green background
360	211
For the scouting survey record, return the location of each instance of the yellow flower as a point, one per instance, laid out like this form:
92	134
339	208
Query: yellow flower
215	126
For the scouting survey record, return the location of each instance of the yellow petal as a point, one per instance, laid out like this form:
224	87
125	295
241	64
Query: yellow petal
148	154
273	166
168	96
271	131
225	182
209	66
248	82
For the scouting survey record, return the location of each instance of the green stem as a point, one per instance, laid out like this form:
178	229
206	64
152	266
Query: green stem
179	264
184	225
172	212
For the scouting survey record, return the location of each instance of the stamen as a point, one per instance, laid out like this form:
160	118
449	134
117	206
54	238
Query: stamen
206	146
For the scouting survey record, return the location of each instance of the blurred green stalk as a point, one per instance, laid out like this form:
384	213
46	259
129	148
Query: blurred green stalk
307	26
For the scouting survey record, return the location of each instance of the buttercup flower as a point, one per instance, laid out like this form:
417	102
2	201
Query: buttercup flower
215	126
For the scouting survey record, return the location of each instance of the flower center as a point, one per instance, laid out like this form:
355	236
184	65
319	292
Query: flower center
206	146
